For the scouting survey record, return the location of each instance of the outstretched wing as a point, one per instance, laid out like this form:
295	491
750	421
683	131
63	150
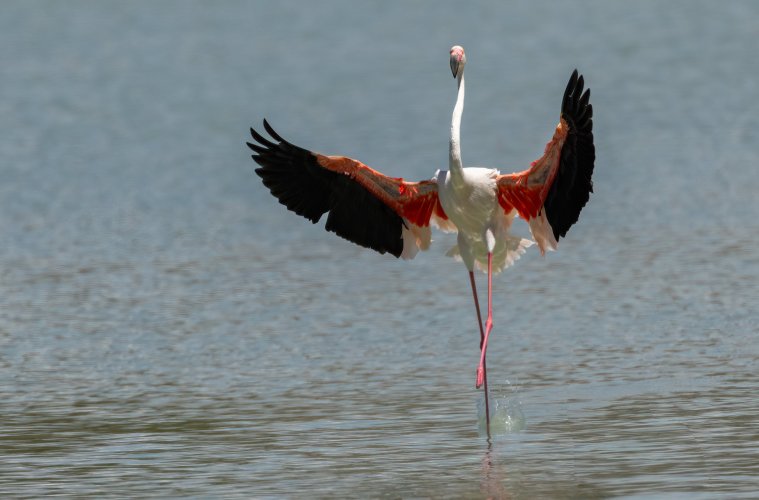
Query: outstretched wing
553	191
366	207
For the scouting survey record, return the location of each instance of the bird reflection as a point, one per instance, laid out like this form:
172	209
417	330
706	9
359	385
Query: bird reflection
492	483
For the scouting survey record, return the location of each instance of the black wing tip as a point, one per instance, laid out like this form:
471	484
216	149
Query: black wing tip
261	139
569	90
272	133
573	184
575	106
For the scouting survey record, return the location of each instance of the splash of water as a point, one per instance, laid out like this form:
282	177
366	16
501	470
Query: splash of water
506	414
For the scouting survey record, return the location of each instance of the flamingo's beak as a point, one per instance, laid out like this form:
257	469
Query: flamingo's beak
455	64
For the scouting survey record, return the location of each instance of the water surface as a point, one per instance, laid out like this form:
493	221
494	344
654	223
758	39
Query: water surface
168	329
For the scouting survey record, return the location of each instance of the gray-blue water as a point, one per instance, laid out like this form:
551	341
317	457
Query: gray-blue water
168	329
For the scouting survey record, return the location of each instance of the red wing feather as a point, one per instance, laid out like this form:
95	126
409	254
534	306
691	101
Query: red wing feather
414	201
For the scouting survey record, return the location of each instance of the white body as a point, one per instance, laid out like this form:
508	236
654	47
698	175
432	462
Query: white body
472	206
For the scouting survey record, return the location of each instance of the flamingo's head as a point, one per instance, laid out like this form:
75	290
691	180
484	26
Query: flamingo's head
458	60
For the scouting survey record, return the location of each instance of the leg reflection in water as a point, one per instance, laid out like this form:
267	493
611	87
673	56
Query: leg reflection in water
492	483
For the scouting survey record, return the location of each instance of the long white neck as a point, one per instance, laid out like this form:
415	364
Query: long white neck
454	146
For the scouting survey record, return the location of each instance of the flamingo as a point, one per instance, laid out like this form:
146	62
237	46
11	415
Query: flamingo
391	215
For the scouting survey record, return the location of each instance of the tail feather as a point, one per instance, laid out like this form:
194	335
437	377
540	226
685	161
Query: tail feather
507	251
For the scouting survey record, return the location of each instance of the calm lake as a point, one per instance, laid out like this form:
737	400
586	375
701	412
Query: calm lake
167	329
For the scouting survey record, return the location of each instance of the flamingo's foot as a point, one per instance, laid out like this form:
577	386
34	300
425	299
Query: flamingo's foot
480	377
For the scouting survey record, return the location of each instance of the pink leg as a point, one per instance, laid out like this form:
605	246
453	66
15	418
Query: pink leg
488	324
482	340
